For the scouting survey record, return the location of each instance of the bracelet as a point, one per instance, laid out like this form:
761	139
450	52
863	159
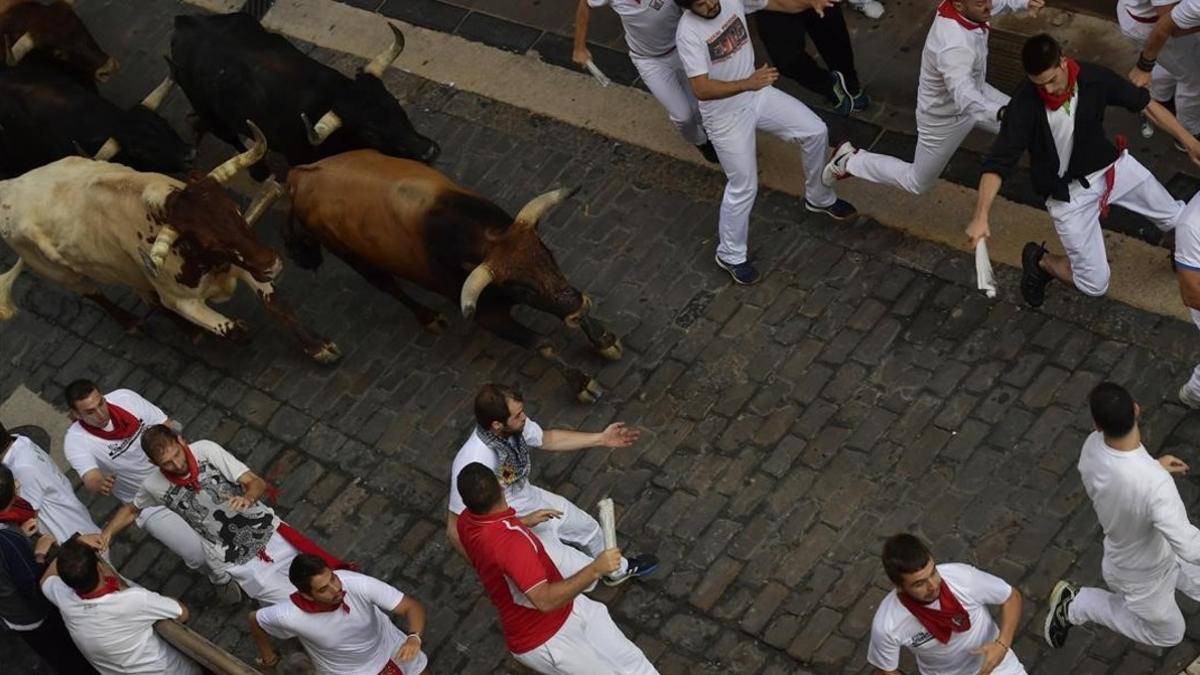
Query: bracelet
1144	64
1001	643
415	635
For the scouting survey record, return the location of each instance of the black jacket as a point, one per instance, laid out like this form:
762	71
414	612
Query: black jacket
21	599
1025	128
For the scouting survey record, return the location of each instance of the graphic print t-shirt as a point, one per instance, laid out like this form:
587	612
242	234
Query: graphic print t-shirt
124	457
230	537
719	47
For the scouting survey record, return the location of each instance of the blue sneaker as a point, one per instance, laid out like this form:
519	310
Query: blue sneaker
843	103
839	210
860	101
743	273
639	566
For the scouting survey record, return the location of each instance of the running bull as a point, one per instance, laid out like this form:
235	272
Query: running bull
232	69
45	116
53	33
393	219
83	223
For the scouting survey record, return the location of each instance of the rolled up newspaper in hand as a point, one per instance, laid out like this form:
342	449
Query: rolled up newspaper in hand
608	522
597	73
983	269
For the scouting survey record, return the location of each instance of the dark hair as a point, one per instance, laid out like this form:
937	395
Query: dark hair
1113	409
8	487
77	565
904	554
304	567
156	439
479	488
491	403
79	390
1040	53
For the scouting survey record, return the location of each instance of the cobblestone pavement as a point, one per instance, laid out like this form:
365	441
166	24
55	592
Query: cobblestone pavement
863	388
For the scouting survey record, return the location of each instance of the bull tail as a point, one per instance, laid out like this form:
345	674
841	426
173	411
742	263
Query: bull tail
7	308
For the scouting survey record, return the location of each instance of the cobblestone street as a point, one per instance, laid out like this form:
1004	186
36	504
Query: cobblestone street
863	388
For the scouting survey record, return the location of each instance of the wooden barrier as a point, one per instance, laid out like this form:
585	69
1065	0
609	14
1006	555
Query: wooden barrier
201	650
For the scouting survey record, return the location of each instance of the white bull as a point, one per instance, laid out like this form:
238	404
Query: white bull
84	223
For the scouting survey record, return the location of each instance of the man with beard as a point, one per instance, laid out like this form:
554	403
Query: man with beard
218	496
501	440
104	447
939	613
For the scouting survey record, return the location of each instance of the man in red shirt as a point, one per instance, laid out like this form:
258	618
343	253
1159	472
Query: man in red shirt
548	625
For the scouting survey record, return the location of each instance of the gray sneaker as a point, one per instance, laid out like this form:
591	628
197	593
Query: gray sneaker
229	593
1189	399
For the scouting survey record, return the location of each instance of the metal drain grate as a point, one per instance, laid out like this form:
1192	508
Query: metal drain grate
257	8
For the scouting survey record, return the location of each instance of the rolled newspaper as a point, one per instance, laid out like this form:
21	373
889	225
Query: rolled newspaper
597	73
608	522
983	269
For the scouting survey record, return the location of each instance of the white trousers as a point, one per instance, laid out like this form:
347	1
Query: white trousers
1078	221
937	140
1142	606
267	582
572	541
1180	56
1162	84
1193	384
733	138
172	531
589	643
666	79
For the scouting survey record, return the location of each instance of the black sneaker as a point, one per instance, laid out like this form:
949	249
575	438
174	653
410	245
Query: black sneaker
742	273
639	566
710	153
843	102
1057	624
1033	277
839	210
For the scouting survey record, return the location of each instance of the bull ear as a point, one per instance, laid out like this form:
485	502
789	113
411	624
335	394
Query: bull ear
380	63
537	207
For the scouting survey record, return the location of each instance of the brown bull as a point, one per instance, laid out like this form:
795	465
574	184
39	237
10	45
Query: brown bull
394	219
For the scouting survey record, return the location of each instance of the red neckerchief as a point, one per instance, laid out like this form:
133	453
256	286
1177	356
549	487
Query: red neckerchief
948	10
108	585
192	479
313	607
123	421
391	669
305	545
1054	102
940	623
18	512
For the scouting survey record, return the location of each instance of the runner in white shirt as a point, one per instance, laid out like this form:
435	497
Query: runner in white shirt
650	34
1179	56
1151	549
113	623
501	440
1187	270
343	619
939	613
109	459
735	101
41	483
1182	20
953	97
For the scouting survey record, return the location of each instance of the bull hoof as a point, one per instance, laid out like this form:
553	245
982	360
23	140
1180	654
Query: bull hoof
590	393
237	333
327	354
438	324
612	352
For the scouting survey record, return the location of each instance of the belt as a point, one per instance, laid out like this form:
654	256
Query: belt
1142	19
1110	175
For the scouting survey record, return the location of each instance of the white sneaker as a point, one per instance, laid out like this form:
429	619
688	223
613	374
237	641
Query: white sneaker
229	593
873	9
1189	399
836	169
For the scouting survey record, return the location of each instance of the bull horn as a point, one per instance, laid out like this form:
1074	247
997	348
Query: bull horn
477	280
381	62
107	151
234	164
325	126
162	246
155	98
15	52
537	207
271	191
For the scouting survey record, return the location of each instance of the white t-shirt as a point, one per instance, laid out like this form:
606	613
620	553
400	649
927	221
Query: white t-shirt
895	627
123	458
358	642
47	489
1186	14
1136	501
115	632
720	47
229	537
1187	236
1062	128
954	68
649	24
518	494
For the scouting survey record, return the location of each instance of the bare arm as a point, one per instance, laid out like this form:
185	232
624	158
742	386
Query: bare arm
266	651
1189	287
1010	617
549	596
452	534
989	187
95	482
580	54
1168	123
121	520
615	435
413	614
252	489
183	611
707	89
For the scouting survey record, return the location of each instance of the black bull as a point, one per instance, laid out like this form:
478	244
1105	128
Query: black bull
232	69
45	115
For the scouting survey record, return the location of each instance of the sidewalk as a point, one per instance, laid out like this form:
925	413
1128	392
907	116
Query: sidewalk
888	56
